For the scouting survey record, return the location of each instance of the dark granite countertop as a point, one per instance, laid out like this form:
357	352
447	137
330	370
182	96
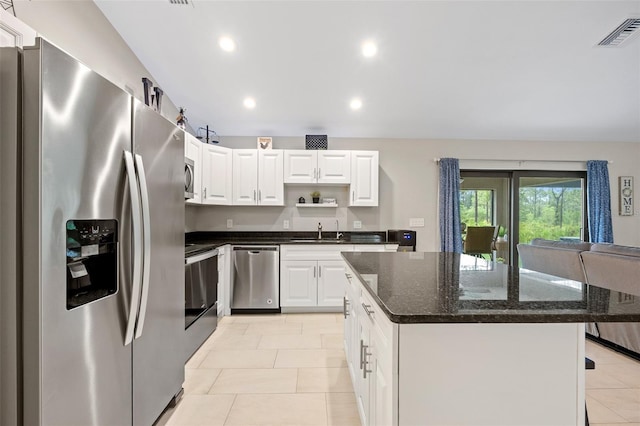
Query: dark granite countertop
216	239
417	287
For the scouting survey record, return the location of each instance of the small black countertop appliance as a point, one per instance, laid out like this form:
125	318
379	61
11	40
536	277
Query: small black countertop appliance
405	239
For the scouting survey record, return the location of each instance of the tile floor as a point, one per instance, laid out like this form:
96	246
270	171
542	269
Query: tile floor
290	369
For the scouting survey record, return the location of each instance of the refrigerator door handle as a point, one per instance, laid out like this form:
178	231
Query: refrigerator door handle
137	247
146	232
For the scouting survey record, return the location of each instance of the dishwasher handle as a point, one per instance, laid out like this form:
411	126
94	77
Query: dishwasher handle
254	249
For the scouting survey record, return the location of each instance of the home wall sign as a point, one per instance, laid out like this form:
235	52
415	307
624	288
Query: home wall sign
625	186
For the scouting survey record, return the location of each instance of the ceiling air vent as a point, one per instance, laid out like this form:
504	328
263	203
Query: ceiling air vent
181	2
626	31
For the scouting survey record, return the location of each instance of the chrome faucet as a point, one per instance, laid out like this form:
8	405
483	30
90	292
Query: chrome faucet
338	233
319	231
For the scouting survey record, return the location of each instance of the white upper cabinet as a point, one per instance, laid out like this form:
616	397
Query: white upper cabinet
364	178
217	176
311	166
193	151
334	167
300	166
257	177
270	177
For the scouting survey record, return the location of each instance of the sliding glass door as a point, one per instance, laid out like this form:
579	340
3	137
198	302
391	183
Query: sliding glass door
549	205
524	205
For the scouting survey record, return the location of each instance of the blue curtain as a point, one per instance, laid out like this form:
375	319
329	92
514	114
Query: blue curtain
599	202
450	235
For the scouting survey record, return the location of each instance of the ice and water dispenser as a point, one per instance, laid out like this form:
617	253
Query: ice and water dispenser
92	260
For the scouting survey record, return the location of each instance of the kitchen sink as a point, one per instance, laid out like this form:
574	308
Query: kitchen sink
315	240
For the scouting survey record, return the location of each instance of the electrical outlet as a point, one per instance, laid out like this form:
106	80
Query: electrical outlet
285	224
229	223
416	222
357	224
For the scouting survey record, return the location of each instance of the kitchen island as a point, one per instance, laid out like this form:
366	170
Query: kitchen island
444	339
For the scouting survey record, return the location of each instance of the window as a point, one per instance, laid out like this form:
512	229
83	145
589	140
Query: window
476	207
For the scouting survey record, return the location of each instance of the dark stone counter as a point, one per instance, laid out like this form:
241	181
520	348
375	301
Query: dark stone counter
204	240
417	287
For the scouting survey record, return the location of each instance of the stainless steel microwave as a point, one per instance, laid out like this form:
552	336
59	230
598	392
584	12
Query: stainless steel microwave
189	177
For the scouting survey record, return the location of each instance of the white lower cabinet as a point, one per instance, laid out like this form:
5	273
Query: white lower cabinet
312	275
372	357
311	283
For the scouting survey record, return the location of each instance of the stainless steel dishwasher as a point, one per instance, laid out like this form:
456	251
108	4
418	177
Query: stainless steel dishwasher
256	279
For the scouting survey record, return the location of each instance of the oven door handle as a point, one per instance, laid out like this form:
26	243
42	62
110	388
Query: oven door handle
200	257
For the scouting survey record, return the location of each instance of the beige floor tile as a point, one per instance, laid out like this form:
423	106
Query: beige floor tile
291	341
625	402
201	410
301	358
320	328
342	409
332	341
278	409
255	358
199	381
324	380
273	328
311	318
196	359
627	373
224	341
603	355
257	319
238	328
256	380
600	379
598	413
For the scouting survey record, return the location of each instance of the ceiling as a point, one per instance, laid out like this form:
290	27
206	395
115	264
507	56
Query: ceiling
497	70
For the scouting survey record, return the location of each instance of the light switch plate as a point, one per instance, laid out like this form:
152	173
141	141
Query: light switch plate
416	222
357	224
229	223
285	224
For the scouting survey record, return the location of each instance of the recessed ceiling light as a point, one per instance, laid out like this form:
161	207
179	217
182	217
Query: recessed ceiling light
227	44
249	103
369	49
355	104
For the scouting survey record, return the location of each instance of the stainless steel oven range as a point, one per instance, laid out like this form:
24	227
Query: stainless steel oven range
201	295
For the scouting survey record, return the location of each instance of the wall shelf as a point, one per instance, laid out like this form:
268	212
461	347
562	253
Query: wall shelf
316	205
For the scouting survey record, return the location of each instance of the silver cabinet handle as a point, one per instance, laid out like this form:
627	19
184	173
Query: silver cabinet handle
146	231
353	196
320	271
314	173
259	195
136	281
349	276
361	353
205	193
365	354
314	272
366	309
319	172
254	195
345	306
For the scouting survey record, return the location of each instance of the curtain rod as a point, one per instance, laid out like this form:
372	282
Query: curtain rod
437	160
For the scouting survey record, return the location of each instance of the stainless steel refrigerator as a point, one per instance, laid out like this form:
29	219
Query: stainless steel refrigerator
93	260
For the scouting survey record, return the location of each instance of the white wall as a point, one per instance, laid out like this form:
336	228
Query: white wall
79	28
409	184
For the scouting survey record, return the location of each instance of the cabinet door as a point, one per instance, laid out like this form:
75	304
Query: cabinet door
300	166
193	151
245	177
381	411
364	178
331	282
334	167
270	175
298	283
14	32
361	387
217	175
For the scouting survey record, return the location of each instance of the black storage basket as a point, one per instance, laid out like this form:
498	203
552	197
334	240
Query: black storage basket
315	142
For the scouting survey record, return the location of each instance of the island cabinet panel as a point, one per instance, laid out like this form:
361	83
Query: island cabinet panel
480	374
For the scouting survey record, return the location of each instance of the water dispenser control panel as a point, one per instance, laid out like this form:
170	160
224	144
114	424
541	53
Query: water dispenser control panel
92	260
